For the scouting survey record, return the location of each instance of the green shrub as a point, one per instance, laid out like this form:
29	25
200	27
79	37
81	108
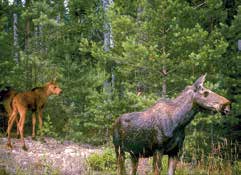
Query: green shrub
104	161
48	128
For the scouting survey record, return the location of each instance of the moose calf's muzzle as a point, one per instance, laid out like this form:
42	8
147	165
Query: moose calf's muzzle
226	108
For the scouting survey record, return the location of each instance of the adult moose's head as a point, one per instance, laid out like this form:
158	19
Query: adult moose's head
209	100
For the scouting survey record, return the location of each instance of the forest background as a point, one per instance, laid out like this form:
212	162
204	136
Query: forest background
116	57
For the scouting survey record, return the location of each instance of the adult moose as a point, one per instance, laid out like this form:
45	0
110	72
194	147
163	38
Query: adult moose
33	100
159	130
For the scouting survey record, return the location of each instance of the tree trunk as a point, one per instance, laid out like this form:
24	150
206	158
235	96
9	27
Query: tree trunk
108	43
15	34
26	47
164	82
108	39
27	33
27	27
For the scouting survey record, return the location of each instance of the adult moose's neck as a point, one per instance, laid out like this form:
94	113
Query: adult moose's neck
185	108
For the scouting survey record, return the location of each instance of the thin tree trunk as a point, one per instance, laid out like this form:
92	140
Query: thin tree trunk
164	82
108	43
108	38
27	27
15	34
27	35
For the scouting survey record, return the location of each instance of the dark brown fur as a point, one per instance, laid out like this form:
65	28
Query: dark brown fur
34	101
6	97
160	130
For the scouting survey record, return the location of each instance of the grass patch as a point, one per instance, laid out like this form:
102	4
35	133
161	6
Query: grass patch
104	162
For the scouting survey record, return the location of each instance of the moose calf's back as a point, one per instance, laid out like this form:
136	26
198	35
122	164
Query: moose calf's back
32	100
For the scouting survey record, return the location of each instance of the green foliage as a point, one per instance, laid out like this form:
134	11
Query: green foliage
104	162
187	38
47	129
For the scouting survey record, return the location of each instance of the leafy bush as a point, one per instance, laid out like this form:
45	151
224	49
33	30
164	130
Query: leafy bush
48	128
104	161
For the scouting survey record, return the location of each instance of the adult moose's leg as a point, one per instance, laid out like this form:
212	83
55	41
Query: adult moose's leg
33	124
172	163
134	164
157	162
120	156
21	126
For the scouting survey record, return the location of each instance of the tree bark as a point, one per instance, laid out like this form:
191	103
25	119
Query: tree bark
26	47
108	38
164	83
15	34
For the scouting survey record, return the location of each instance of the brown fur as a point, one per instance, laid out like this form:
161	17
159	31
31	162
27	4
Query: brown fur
33	100
160	130
6	97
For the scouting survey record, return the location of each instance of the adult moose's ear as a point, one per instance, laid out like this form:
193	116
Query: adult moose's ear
199	82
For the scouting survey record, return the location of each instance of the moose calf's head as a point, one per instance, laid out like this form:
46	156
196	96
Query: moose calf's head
53	88
209	100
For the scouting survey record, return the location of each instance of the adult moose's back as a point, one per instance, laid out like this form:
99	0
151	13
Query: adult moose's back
159	130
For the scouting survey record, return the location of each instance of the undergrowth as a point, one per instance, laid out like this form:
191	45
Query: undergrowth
105	163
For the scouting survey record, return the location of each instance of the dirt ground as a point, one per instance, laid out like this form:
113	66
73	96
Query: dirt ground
48	157
52	157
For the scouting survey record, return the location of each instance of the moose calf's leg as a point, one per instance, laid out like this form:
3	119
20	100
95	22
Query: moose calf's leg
120	156
11	120
157	162
134	164
172	163
16	121
40	116
33	125
21	128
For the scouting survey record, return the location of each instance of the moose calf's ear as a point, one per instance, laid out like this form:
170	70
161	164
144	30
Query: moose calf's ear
199	82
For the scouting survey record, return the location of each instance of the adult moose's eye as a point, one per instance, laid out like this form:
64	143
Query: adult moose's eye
206	93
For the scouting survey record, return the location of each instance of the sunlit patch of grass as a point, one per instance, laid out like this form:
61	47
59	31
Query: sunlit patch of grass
3	172
104	163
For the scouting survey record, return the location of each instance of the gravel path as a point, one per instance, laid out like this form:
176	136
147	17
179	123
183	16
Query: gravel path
50	157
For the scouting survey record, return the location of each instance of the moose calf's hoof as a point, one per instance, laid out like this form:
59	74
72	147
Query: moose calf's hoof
42	140
25	148
9	146
34	138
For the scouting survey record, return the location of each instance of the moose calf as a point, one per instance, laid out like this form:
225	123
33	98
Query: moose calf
33	100
6	97
159	130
